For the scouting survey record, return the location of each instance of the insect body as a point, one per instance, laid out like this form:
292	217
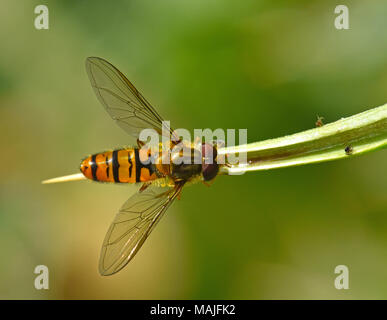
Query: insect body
133	165
319	121
162	178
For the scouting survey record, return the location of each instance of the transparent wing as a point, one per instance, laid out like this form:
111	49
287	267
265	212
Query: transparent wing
132	225
121	99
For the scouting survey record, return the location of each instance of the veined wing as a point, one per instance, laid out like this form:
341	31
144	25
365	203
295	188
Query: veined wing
121	99
132	225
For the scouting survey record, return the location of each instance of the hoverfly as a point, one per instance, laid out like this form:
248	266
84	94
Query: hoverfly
161	183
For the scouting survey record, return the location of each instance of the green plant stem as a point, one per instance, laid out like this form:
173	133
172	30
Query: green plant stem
345	138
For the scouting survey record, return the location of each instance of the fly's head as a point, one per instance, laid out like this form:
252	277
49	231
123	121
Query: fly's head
210	167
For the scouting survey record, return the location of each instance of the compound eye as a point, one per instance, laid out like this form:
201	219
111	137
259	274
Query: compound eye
210	171
210	168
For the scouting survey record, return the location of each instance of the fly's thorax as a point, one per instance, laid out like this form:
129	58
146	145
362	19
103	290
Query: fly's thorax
185	163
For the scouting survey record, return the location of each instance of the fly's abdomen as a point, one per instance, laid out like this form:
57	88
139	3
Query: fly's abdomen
122	165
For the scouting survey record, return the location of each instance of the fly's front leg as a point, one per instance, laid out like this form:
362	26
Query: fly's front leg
144	186
140	143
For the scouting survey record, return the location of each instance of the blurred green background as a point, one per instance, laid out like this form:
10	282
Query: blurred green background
268	66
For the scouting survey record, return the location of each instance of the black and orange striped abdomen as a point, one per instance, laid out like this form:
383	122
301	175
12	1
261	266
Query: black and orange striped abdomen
122	165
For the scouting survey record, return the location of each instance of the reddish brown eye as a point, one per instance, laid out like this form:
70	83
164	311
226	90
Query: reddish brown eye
210	168
210	171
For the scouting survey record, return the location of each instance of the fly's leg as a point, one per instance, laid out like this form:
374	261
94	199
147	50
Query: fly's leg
144	186
140	143
209	183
